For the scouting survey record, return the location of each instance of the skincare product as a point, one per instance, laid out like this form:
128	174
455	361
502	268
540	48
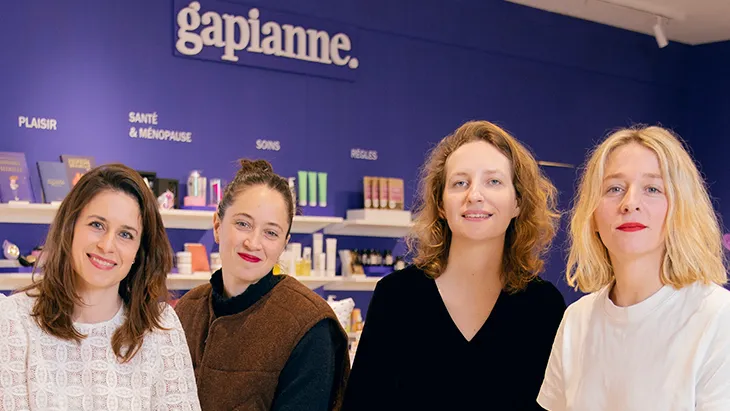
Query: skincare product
321	260
305	268
302	176
292	263
388	258
194	186
383	185
395	194
331	256
215	261
284	263
297	250
312	183
375	191
317	247
293	192
216	191
366	191
322	186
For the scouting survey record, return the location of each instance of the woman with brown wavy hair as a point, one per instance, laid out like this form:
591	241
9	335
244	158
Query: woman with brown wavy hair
94	331
469	325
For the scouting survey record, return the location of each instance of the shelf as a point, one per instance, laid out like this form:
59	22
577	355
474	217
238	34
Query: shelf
186	281
11	281
308	224
186	219
363	228
9	264
27	213
189	219
356	283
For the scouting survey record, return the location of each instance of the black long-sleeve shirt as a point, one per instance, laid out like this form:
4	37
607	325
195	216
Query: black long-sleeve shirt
308	378
412	356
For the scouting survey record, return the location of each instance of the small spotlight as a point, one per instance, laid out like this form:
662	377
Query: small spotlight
661	38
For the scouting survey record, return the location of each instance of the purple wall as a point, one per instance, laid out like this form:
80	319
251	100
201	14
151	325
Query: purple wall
706	119
557	83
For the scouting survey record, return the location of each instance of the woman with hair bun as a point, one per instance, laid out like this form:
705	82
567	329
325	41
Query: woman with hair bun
261	341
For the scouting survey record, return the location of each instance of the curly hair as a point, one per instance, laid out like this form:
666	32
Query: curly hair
528	236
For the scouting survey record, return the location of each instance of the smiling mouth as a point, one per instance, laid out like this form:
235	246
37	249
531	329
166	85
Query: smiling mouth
476	216
101	263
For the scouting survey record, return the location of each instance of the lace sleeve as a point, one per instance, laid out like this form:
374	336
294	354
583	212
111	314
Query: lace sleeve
13	355
176	388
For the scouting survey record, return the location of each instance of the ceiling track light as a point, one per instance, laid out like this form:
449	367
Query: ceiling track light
661	38
662	15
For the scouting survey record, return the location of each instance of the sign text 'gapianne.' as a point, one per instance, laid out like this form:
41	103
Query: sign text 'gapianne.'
234	33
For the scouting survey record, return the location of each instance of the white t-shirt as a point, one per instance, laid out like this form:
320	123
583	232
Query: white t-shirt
41	372
670	352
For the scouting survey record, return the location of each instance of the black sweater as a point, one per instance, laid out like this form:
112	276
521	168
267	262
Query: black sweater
411	355
308	378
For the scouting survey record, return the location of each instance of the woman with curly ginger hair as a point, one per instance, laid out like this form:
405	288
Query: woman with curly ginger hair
469	325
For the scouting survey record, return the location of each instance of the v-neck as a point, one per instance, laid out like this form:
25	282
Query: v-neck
444	311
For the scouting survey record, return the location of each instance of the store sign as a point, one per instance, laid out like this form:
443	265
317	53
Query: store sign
360	154
39	123
232	33
273	145
145	126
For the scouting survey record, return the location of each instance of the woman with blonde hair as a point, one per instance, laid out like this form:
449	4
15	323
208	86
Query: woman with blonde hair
469	325
654	334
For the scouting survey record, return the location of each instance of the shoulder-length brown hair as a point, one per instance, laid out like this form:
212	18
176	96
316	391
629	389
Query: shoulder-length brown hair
528	235
142	289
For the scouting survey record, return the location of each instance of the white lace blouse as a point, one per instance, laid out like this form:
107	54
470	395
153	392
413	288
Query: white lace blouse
41	372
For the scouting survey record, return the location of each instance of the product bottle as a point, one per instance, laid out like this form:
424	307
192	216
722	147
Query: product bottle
399	263
388	258
193	184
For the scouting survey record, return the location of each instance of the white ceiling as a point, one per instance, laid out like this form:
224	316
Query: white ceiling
704	21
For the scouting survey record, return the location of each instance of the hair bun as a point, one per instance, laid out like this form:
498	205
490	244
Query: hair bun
255	166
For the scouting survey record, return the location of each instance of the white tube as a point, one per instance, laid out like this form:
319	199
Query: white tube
331	256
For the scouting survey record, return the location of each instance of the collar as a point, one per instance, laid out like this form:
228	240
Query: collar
223	305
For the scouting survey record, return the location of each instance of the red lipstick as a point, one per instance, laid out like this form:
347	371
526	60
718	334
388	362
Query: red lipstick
631	227
250	258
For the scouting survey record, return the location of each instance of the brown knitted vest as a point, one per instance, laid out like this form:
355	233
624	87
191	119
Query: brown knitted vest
238	358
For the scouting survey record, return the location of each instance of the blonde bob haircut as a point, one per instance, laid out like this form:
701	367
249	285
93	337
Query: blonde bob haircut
528	235
692	240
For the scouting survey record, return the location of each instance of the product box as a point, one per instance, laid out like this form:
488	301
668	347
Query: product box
54	181
77	166
164	184
395	194
14	178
